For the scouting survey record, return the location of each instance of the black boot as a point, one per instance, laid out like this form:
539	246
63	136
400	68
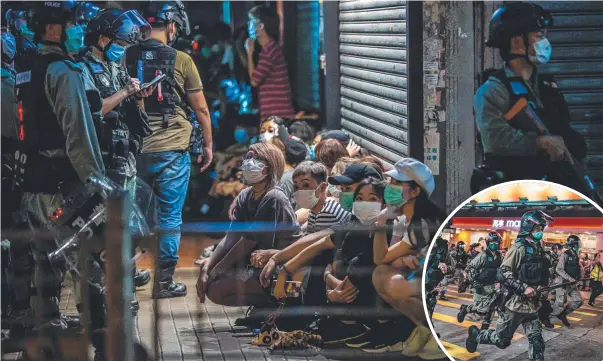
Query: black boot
98	341
141	277
71	321
563	318
462	313
471	344
166	287
547	322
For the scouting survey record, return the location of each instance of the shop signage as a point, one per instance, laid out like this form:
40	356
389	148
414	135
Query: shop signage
499	223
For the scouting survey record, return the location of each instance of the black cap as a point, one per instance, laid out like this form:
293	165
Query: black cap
353	174
338	135
295	149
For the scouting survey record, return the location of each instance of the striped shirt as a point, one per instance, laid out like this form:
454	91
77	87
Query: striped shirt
331	215
272	79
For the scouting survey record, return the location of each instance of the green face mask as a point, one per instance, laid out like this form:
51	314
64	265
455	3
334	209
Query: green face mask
576	249
493	246
346	199
393	195
537	236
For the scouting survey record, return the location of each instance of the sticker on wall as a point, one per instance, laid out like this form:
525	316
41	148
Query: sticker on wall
432	151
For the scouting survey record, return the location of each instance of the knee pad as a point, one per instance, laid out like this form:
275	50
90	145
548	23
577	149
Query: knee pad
503	343
577	304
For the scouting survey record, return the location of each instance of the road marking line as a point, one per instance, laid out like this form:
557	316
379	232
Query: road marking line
585	313
458	352
466	324
460	298
448	304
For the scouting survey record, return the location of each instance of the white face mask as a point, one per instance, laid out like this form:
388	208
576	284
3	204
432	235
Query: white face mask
543	50
264	137
253	171
306	198
366	212
333	190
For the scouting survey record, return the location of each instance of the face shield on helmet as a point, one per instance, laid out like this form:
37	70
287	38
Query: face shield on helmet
85	12
9	48
533	224
131	27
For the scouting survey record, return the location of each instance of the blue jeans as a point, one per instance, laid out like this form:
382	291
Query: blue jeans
168	173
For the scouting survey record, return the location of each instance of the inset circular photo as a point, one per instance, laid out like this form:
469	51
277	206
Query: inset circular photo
515	274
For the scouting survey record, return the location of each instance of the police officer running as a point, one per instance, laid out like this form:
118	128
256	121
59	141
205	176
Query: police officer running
482	272
124	124
165	162
460	258
522	270
60	108
519	32
568	270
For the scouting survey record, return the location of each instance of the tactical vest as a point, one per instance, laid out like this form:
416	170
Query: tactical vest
145	61
42	130
461	260
26	54
487	276
572	265
533	269
553	111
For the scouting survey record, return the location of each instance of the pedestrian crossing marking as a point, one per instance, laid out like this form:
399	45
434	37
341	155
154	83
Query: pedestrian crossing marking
460	298
585	313
449	304
573	318
457	352
466	324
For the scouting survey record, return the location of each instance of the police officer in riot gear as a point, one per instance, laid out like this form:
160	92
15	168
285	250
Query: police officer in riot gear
60	107
482	272
519	31
125	122
18	24
568	270
439	265
165	161
461	258
522	270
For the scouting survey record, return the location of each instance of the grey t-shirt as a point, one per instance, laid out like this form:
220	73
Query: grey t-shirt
286	184
273	207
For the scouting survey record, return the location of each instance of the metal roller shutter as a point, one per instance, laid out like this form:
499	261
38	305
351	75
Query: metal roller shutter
577	65
373	68
308	67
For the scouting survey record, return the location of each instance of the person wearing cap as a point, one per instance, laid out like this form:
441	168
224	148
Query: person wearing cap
417	221
519	31
343	138
165	161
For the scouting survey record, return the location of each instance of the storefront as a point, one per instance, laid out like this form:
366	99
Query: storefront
470	228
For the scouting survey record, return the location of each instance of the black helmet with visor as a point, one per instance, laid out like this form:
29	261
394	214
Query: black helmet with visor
164	12
116	24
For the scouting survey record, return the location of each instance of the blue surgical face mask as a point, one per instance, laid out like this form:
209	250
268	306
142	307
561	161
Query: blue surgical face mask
542	50
251	29
75	39
241	136
115	52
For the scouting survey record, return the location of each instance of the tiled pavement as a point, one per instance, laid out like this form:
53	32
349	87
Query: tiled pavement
189	330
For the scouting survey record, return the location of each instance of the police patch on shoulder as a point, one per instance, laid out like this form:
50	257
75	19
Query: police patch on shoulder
103	78
518	87
148	55
529	250
490	258
96	68
22	78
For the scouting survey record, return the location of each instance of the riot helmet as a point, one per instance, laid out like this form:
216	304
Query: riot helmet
60	13
515	19
573	243
121	28
17	22
460	246
162	13
442	245
532	219
493	241
86	12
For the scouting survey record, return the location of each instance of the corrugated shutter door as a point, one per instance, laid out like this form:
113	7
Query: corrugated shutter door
577	65
373	66
308	67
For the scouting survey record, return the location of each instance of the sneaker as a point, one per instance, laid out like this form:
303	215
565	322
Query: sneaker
471	343
431	350
383	346
443	297
416	341
334	331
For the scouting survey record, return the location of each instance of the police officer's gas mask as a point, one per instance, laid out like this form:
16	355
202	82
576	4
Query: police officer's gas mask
537	232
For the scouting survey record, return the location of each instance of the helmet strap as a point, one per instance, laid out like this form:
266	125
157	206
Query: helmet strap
525	56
